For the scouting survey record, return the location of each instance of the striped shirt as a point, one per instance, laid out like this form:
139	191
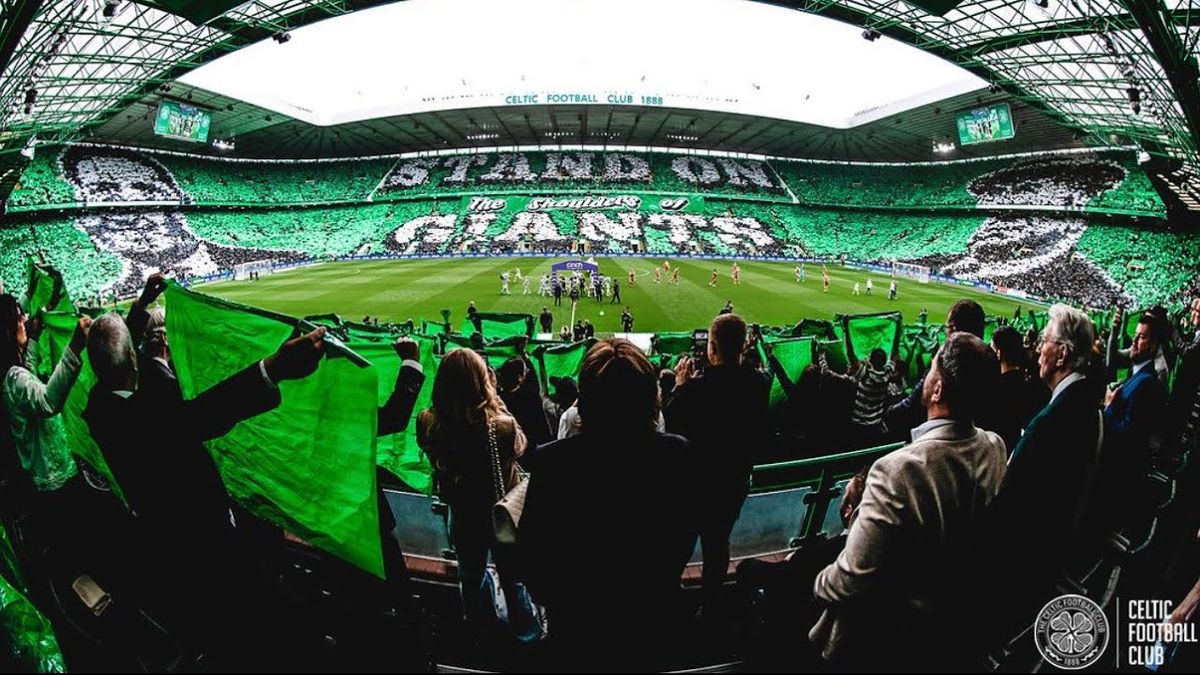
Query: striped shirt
870	390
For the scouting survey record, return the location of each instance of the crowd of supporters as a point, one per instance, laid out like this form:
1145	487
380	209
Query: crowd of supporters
623	473
1109	182
1095	265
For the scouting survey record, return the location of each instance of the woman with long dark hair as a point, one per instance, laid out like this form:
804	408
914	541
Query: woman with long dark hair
473	443
32	407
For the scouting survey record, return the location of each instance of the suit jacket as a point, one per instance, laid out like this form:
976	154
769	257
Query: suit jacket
1039	515
917	506
157	379
1136	412
154	447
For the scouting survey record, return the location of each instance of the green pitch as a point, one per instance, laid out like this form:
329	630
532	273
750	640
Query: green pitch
396	290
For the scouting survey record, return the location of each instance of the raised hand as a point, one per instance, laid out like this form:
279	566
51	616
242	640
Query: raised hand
297	358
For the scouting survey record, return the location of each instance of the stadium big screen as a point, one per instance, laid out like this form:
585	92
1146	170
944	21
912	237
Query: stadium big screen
182	121
984	125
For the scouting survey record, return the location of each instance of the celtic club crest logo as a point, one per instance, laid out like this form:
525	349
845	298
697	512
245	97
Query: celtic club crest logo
1071	632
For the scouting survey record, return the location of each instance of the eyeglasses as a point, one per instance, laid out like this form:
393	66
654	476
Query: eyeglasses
1042	339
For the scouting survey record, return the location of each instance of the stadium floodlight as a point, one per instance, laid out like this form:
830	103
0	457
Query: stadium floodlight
282	38
943	148
31	95
871	35
223	145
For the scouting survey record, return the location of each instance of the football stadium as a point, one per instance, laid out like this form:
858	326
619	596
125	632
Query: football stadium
864	335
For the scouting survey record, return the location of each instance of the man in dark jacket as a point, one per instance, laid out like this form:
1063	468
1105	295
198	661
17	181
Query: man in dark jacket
965	315
1041	511
1017	398
154	446
1134	414
724	414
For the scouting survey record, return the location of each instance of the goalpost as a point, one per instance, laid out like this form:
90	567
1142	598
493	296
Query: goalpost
919	272
243	270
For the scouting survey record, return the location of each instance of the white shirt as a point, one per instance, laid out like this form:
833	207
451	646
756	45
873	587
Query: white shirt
1066	382
929	426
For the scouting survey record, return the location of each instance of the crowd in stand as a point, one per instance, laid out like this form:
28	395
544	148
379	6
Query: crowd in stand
1000	438
113	175
1075	181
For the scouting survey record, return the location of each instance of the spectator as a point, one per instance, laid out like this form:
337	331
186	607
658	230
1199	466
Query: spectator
517	383
554	405
589	331
965	315
462	433
597	601
666	386
891	598
1017	398
32	406
1135	416
1051	469
723	412
1124	358
564	334
546	319
172	483
870	394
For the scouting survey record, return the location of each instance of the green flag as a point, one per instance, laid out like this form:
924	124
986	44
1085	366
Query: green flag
498	325
673	343
562	360
794	354
46	290
399	452
870	331
57	328
309	465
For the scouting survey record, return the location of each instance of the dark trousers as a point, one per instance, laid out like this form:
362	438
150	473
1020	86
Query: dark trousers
616	297
720	514
558	299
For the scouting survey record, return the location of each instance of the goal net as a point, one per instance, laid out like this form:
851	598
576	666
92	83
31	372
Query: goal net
919	272
243	270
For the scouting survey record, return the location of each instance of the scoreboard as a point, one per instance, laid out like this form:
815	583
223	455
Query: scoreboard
182	121
984	125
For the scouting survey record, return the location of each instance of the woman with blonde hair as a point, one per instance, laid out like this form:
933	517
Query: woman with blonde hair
473	443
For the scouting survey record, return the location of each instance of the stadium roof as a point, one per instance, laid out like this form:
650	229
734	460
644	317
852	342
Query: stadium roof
1084	63
905	136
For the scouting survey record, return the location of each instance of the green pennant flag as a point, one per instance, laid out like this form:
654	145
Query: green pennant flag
309	465
870	331
794	354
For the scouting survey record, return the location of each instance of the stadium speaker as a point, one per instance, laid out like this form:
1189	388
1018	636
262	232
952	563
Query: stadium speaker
936	7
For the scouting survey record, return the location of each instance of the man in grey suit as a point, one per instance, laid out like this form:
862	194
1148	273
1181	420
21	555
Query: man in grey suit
887	597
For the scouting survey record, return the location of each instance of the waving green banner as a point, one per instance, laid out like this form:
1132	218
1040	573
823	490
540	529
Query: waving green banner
308	465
